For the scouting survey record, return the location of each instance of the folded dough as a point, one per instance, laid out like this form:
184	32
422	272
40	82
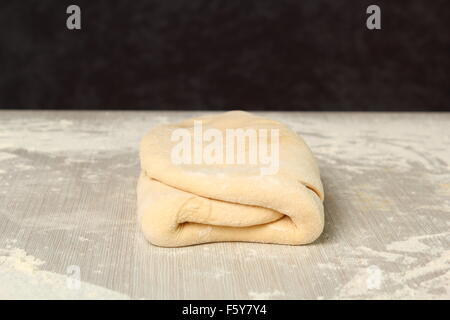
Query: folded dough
180	204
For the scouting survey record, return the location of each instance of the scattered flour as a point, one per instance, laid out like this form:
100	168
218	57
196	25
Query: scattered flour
418	273
65	123
6	156
49	135
365	281
387	139
415	244
266	295
439	265
410	245
215	274
387	256
21	278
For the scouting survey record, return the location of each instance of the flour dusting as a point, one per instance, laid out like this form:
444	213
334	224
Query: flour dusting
410	245
21	278
415	278
266	295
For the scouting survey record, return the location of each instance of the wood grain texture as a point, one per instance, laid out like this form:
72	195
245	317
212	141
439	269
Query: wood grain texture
67	197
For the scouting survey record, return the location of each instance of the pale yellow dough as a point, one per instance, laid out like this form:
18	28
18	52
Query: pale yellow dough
181	205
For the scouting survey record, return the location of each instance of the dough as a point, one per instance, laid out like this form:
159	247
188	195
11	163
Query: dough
182	204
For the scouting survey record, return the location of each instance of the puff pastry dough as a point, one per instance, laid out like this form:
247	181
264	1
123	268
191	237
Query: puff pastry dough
180	204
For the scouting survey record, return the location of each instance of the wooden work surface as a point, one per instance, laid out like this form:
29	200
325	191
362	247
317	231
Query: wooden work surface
67	209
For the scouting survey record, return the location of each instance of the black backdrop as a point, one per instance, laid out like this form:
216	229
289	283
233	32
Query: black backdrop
217	54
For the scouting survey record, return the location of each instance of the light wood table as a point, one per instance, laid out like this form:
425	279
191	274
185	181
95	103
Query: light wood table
67	212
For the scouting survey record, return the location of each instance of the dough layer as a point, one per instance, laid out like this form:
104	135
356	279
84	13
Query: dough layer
180	205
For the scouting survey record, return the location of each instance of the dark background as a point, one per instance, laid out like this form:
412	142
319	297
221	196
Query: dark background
208	54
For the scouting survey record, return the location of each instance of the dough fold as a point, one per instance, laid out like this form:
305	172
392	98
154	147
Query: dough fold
187	204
